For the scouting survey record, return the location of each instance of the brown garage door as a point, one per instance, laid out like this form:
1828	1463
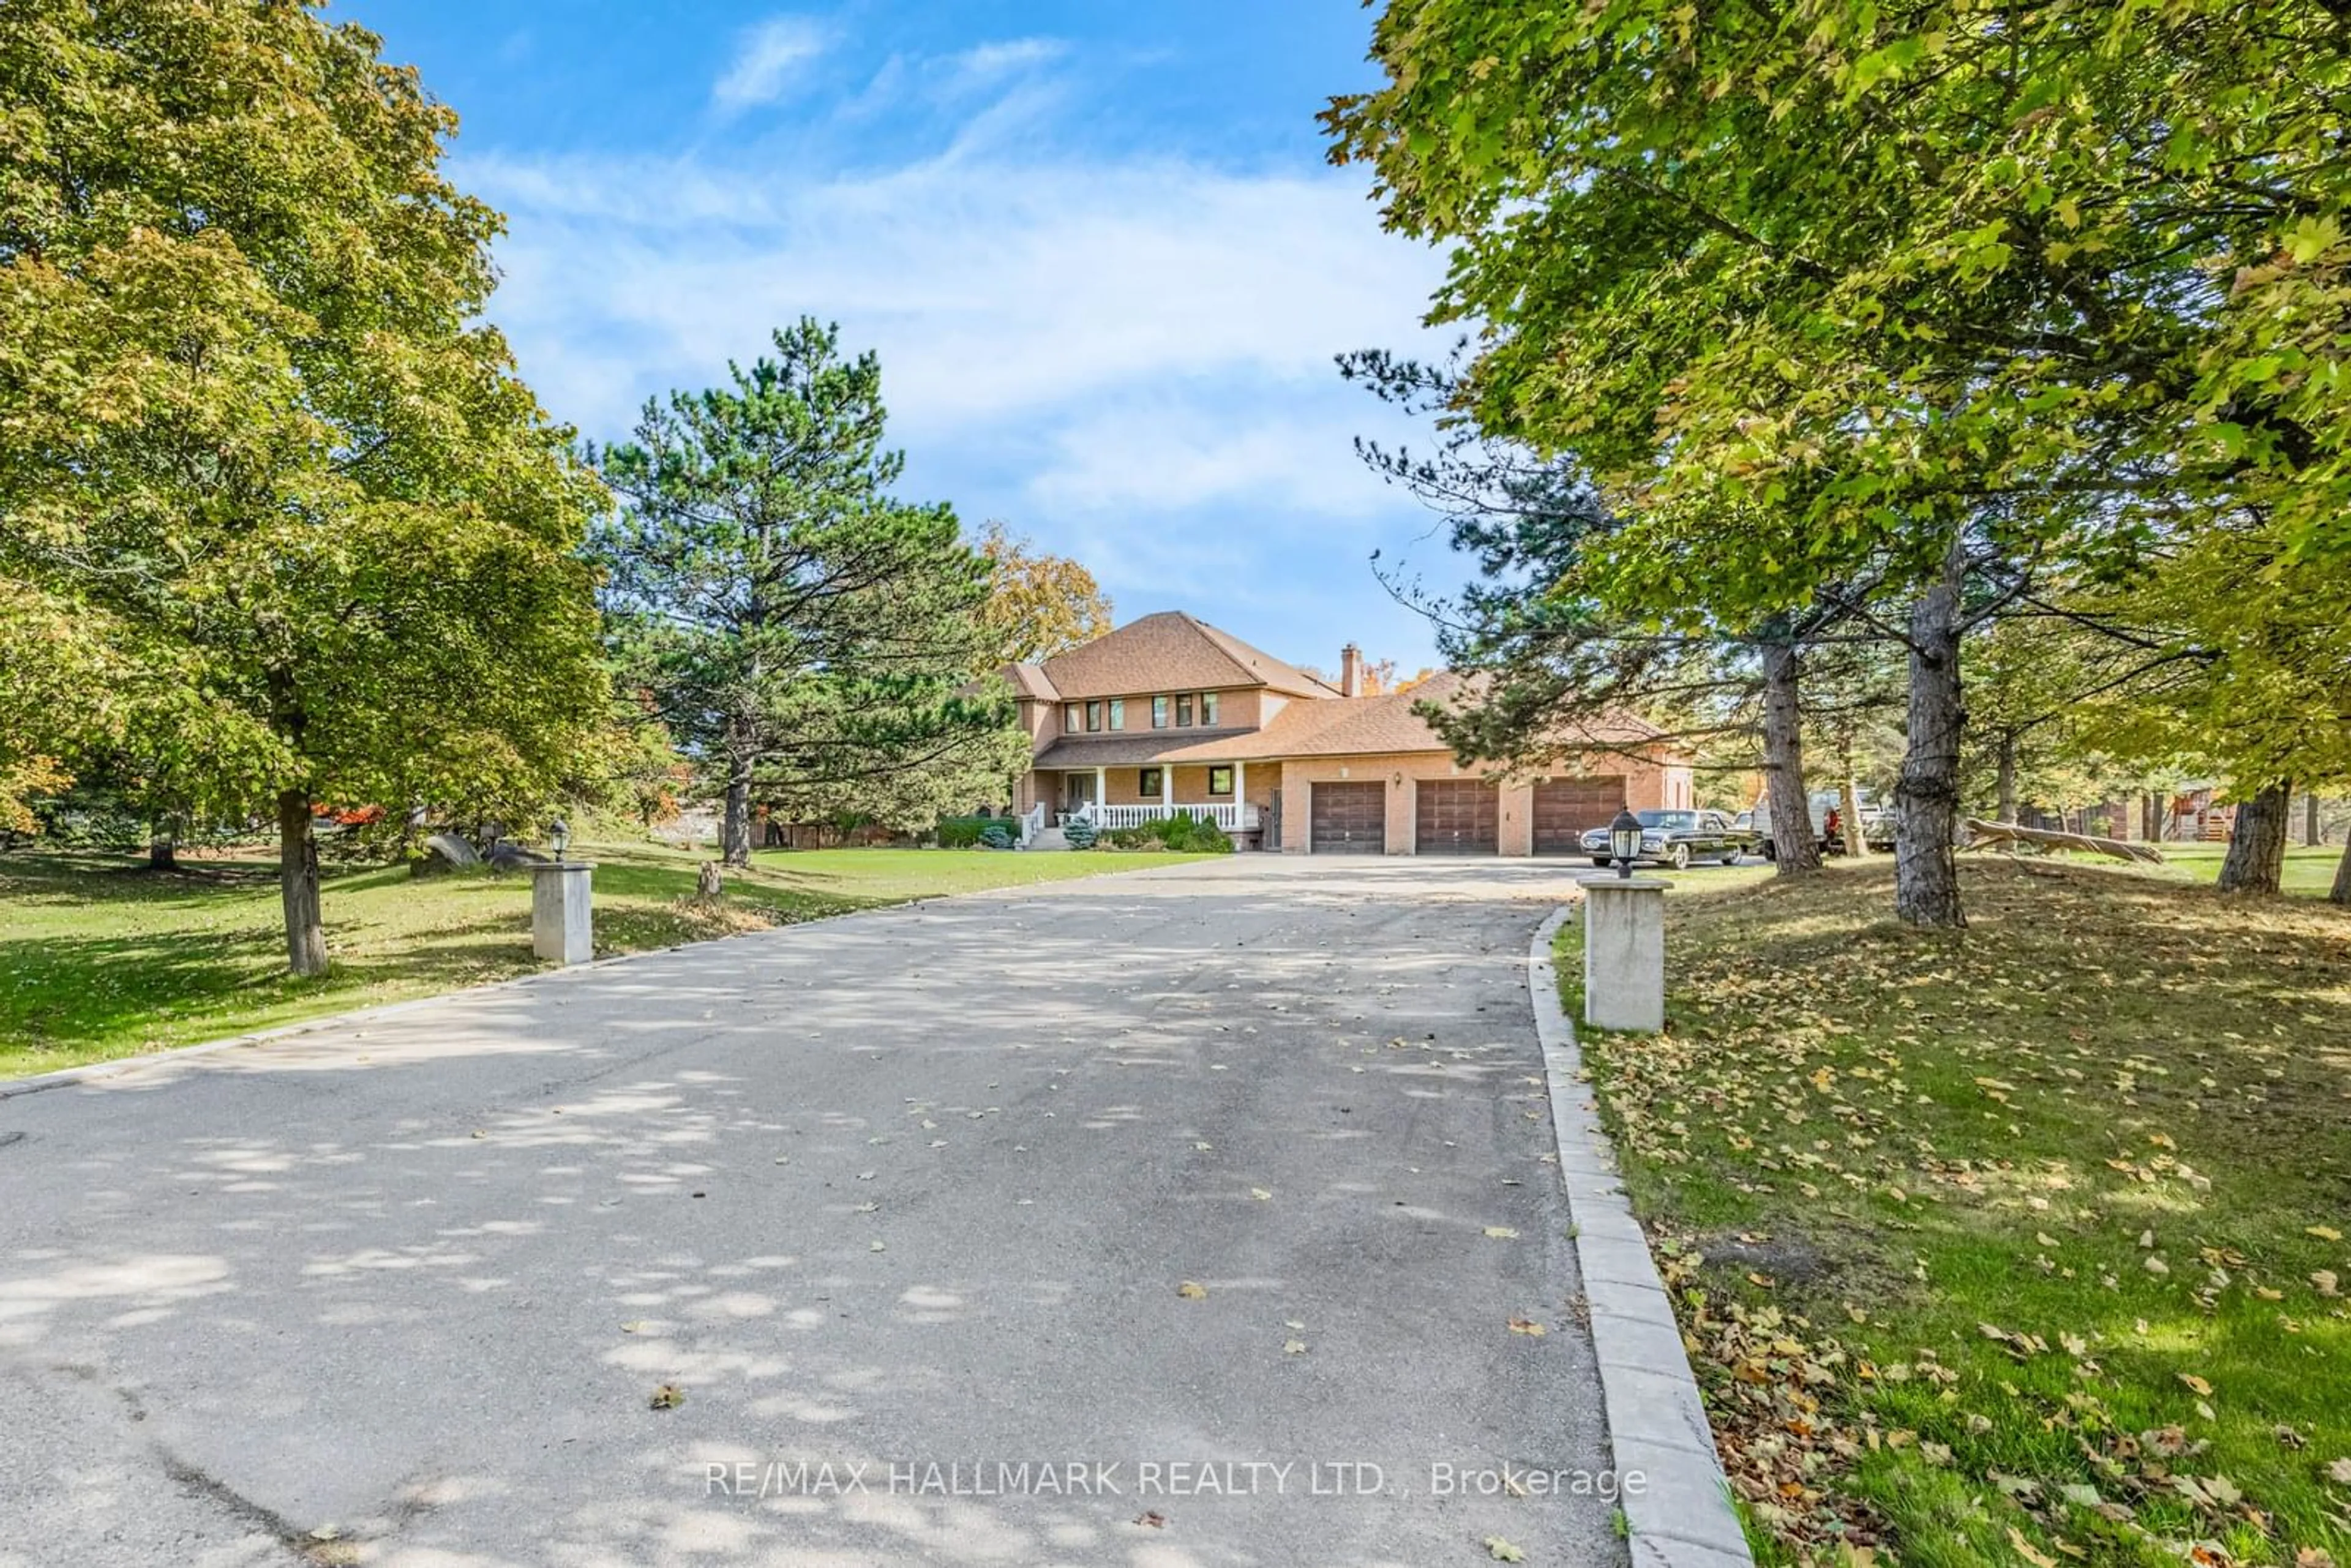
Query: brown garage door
1566	808
1350	819
1459	817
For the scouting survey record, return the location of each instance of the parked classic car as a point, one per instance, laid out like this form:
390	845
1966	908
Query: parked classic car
1675	839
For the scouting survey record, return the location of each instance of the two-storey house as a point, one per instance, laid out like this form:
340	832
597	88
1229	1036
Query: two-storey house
1167	714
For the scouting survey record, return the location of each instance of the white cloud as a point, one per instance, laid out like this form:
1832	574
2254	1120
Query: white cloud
993	62
768	58
1130	359
993	290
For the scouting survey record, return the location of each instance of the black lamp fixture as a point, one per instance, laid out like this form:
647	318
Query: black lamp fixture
1624	841
559	832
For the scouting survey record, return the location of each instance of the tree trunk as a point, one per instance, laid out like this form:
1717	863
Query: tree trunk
1793	849
735	823
2256	858
1927	800
2150	828
2341	892
1856	842
2310	837
2007	807
297	884
163	848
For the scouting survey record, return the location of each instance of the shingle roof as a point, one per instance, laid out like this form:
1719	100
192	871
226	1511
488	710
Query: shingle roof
1080	752
1030	681
1339	726
1171	651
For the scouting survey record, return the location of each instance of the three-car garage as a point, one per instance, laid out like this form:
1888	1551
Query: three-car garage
1458	816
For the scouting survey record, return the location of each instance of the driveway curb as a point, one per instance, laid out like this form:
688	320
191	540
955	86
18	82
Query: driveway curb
1681	1517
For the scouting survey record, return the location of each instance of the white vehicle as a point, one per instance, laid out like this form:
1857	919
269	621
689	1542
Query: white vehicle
1825	805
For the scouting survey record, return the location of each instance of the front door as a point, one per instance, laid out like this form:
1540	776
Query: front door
1077	789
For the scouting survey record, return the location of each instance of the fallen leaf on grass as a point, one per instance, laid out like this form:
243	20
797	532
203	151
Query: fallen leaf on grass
2324	1282
2030	1553
2340	1471
1502	1551
1527	1326
668	1396
1192	1291
1501	1233
2196	1383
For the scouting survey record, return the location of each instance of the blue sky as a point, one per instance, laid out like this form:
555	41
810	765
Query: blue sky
1097	246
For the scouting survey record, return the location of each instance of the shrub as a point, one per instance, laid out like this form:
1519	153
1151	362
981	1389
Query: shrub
996	836
1187	835
1081	834
964	832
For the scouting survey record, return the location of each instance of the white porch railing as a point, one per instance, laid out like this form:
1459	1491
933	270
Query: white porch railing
1032	823
1231	815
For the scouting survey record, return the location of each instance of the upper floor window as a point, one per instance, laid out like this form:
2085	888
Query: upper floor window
1184	711
1072	718
1208	707
1093	715
1118	713
1159	713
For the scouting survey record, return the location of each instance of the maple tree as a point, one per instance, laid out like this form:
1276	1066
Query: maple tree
1934	293
266	475
1038	604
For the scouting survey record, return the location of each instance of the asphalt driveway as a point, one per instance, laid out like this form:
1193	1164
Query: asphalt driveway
897	1203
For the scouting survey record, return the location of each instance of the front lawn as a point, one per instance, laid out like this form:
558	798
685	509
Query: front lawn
100	957
2309	871
2022	1245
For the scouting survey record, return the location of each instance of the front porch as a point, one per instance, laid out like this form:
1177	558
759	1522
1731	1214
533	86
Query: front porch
1233	816
1130	796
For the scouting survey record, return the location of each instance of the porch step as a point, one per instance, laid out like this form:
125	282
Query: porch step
1047	839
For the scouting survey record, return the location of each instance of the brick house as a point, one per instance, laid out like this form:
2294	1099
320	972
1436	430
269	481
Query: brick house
1167	714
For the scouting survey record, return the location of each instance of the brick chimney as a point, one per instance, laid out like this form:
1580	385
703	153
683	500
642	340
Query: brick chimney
1351	671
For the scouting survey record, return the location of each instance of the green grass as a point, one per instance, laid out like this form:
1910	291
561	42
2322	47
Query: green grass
2308	871
1908	1188
101	958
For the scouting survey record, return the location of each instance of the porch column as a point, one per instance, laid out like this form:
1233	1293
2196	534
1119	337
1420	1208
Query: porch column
1101	791
1241	795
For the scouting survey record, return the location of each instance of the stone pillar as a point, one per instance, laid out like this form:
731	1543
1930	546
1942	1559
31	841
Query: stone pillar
1624	953
561	923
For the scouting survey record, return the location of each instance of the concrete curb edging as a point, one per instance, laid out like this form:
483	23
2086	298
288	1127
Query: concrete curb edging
1681	1517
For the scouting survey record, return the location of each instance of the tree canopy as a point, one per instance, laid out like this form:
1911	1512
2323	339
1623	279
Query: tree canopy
797	627
264	474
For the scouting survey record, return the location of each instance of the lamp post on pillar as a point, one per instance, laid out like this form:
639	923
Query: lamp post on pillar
1625	939
562	917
